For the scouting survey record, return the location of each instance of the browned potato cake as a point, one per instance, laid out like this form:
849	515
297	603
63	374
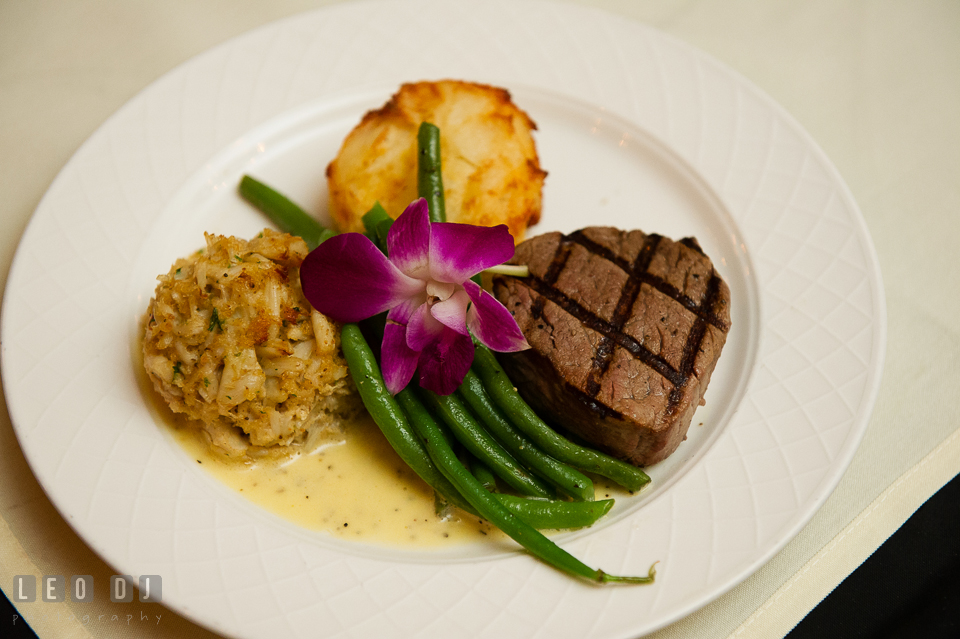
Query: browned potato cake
491	173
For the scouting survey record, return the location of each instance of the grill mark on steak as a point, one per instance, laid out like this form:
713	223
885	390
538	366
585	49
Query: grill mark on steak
694	342
611	332
553	272
641	351
702	310
603	327
545	288
692	243
593	403
621	313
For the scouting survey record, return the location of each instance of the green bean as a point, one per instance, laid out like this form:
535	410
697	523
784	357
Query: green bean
483	474
289	217
481	445
502	391
374	216
490	508
387	413
377	223
539	513
555	514
543	513
569	480
429	173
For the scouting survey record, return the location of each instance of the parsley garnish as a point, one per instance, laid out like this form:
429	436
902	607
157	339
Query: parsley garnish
215	321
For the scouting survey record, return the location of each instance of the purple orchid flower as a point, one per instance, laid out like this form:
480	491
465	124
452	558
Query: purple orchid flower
425	285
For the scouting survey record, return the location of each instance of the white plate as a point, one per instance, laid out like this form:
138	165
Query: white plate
636	129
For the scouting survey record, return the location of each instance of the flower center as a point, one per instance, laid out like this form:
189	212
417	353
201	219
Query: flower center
439	291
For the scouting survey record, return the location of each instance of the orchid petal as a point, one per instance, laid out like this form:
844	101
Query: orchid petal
491	323
460	251
402	312
423	329
348	279
445	363
408	241
452	312
398	361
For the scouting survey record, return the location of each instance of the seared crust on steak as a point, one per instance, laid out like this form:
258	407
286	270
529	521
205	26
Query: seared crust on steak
625	329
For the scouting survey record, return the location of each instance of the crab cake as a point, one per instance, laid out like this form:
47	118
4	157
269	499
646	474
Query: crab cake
491	172
231	342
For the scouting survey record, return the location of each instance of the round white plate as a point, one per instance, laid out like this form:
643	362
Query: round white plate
636	130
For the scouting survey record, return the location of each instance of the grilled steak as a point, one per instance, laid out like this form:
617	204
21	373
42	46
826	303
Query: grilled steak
625	330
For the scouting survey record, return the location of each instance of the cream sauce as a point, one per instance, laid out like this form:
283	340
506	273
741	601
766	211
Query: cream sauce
352	486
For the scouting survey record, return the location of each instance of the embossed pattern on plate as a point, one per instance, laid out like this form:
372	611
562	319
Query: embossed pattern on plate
745	176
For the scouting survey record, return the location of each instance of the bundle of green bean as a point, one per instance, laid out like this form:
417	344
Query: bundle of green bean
505	439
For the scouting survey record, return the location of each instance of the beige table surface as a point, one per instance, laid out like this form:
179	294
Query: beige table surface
877	84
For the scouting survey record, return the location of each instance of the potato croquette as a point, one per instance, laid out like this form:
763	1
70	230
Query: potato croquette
491	171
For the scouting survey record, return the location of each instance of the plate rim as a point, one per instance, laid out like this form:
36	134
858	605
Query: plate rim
879	307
